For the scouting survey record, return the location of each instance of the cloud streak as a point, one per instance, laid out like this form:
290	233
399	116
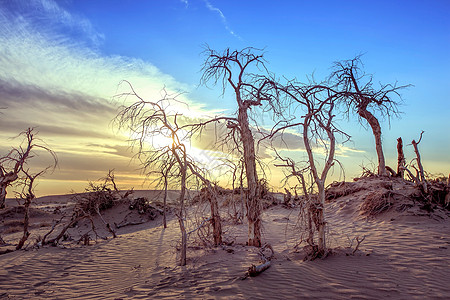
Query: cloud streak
222	18
52	18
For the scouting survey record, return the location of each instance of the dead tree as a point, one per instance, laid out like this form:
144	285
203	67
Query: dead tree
148	119
12	164
316	124
401	162
421	175
27	195
234	69
363	98
307	205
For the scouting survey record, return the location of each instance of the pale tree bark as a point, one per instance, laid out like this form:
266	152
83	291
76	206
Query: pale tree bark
253	203
376	130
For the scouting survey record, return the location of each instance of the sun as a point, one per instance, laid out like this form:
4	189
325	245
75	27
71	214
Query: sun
160	141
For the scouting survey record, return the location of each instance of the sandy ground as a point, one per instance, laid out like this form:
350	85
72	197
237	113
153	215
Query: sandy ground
405	255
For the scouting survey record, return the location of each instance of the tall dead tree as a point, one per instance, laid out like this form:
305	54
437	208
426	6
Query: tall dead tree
366	100
238	70
146	120
12	164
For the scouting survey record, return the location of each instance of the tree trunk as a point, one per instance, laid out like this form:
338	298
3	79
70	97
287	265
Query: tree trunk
321	219
401	158
165	201
2	196
376	129
419	164
181	213
215	220
310	239
26	221
253	203
5	181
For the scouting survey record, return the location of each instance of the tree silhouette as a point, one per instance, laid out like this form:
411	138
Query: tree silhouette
13	165
366	100
245	73
147	119
313	106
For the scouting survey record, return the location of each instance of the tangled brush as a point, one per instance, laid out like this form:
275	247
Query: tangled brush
377	202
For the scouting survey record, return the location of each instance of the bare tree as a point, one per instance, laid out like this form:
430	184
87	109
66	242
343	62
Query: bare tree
420	172
236	69
366	100
317	102
12	165
147	119
28	196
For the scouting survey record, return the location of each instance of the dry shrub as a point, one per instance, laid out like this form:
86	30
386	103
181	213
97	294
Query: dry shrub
377	202
143	207
341	189
96	196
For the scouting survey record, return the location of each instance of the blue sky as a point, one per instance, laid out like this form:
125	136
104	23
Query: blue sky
61	62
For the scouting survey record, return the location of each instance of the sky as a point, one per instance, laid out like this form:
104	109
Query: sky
61	64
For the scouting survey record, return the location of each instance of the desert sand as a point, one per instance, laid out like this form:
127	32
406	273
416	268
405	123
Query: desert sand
405	255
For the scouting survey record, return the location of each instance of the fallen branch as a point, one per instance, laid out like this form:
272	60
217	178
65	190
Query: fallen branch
358	241
256	270
55	223
106	224
123	224
73	221
200	226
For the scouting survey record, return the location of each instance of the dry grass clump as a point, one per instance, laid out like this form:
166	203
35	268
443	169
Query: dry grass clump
12	226
341	189
377	202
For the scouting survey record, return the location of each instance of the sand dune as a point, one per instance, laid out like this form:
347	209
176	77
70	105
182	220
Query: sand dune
404	256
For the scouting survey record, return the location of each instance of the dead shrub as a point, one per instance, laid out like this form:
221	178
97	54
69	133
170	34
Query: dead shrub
377	202
96	196
341	189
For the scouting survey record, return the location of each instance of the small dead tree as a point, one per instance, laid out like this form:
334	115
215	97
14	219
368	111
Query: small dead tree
146	120
366	100
238	71
307	205
12	164
421	172
27	195
14	169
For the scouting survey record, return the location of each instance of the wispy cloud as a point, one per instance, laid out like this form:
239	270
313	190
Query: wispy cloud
50	17
222	17
49	80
